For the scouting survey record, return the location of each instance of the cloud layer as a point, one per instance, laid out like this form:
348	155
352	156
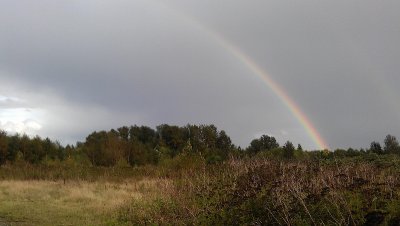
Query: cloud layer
70	67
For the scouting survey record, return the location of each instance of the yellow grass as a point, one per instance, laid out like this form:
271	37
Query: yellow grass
73	203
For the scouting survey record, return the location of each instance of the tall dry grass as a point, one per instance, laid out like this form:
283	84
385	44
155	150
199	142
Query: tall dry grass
261	191
188	191
43	202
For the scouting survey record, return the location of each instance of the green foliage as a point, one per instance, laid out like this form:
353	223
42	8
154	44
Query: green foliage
391	144
142	145
32	150
288	150
263	143
375	147
3	147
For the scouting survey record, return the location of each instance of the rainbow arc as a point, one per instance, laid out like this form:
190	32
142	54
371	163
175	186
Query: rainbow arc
262	74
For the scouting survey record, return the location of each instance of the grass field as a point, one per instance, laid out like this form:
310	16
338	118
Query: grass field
249	191
72	203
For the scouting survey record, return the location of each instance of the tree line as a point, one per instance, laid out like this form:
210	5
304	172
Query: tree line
141	145
32	150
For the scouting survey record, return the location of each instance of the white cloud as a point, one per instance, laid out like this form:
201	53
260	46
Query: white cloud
47	114
17	117
29	127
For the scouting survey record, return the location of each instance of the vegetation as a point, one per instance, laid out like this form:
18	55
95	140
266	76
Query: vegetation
194	175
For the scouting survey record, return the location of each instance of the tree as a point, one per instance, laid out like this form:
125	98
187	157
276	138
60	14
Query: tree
35	152
173	137
13	147
391	144
288	150
52	150
224	142
144	134
263	143
124	133
299	147
375	147
194	135
96	150
209	136
3	147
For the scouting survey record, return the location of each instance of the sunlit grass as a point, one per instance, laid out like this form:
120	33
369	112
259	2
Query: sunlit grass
73	203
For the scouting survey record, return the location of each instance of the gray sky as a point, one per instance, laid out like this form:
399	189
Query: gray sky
68	68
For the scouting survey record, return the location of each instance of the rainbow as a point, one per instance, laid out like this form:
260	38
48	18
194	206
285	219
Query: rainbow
262	74
276	88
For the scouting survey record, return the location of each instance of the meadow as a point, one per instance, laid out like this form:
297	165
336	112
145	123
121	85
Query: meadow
40	202
194	175
258	190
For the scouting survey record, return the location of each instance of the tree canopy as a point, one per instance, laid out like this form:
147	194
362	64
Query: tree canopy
141	145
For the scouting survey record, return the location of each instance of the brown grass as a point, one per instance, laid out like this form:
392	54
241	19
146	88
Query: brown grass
73	203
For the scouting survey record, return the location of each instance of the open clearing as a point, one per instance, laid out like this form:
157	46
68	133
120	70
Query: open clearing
73	203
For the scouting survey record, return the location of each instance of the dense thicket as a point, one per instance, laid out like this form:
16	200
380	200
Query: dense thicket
32	150
134	146
360	190
142	145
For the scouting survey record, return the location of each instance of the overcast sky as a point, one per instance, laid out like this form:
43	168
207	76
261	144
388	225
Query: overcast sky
68	68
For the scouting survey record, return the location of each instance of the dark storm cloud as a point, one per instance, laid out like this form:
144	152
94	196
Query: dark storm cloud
112	63
337	59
